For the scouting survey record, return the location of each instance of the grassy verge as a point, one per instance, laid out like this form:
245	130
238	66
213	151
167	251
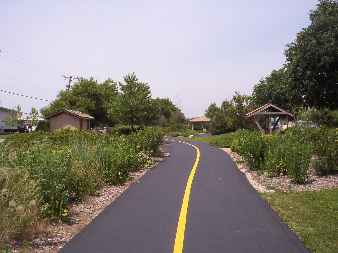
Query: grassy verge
221	141
183	132
312	215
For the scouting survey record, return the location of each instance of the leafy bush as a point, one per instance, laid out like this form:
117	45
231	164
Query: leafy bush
276	155
252	147
325	145
147	140
298	157
125	130
117	160
19	202
42	126
287	154
68	165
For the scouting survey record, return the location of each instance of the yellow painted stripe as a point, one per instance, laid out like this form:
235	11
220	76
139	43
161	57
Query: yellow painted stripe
182	220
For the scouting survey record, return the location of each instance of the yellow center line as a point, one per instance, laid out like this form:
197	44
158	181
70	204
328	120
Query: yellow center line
182	220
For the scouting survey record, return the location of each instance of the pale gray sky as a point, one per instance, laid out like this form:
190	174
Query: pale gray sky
192	51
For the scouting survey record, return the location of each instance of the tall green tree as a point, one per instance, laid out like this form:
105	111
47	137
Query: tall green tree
212	110
275	89
87	95
137	108
169	113
218	119
230	116
312	59
240	105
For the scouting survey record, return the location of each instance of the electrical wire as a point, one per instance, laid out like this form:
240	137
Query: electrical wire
22	95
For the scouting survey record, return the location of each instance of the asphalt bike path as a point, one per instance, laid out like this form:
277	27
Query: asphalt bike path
194	201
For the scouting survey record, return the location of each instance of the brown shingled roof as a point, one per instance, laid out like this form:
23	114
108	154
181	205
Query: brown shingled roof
72	112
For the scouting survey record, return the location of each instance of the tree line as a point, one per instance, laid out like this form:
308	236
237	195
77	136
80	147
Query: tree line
128	102
306	84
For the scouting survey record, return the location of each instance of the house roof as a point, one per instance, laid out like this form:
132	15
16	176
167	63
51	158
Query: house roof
199	119
72	112
268	109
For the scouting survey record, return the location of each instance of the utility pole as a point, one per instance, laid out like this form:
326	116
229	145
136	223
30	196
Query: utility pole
70	79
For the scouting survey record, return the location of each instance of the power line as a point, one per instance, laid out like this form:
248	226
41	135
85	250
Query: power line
23	95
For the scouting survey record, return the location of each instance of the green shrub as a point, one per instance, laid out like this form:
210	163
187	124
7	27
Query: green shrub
289	153
298	157
276	155
19	202
52	169
124	130
147	140
117	160
42	126
325	145
68	165
252	147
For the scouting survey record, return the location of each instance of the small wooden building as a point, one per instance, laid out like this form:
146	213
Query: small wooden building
269	117
69	119
199	123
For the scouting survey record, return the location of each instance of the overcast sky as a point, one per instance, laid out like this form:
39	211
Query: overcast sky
194	52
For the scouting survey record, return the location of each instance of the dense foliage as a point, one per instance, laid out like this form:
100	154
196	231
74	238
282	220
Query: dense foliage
230	115
309	76
291	153
41	173
274	89
312	59
324	117
100	100
128	102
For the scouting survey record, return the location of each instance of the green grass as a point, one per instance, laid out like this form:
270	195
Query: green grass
4	136
183	132
221	141
312	215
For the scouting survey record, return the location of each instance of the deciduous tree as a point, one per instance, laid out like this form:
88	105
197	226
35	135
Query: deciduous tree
312	59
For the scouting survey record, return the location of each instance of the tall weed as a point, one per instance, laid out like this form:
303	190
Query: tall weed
252	147
19	203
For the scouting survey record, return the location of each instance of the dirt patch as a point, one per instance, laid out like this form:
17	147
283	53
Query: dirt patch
264	183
